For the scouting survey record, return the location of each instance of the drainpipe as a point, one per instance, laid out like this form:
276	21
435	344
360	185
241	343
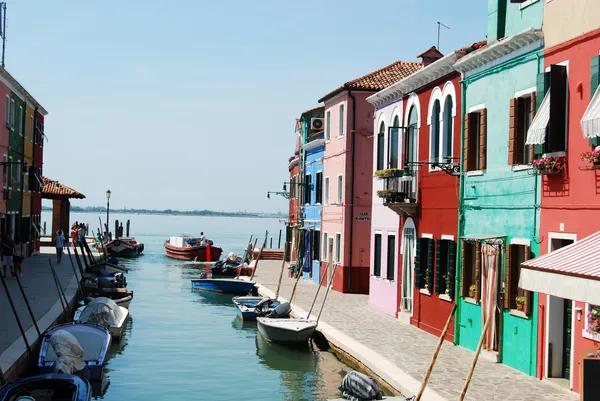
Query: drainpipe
461	209
353	142
32	193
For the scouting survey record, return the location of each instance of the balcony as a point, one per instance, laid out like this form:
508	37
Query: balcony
399	191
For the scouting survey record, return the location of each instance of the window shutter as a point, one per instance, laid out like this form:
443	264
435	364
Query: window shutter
532	107
483	139
542	83
512	130
463	263
418	263
451	268
595	81
477	271
556	138
466	143
527	294
438	266
507	282
430	245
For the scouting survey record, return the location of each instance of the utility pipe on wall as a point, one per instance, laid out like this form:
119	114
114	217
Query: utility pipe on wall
353	144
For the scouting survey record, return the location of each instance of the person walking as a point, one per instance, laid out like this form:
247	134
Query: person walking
18	257
74	235
60	243
7	254
81	233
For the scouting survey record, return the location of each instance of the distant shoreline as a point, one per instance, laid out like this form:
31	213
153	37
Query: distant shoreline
177	213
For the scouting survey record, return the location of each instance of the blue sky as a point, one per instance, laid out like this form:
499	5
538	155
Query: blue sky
192	104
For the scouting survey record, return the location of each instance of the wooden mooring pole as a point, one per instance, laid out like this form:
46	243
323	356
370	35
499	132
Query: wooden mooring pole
280	278
75	273
297	279
78	263
33	319
258	258
279	240
60	291
2	378
318	289
14	309
475	358
436	353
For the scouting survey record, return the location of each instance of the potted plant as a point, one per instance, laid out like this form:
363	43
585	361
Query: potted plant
390	172
594	320
447	280
591	157
472	290
520	300
549	165
426	278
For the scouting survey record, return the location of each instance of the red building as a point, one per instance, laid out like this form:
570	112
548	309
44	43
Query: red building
567	274
431	125
37	180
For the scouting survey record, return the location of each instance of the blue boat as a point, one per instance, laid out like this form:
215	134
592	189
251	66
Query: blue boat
53	386
227	285
247	306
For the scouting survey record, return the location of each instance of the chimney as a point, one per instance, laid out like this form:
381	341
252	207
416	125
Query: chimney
430	55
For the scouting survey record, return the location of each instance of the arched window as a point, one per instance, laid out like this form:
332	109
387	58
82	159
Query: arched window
410	150
447	131
381	147
394	147
435	131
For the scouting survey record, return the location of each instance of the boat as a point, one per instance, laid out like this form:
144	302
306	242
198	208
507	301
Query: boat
225	268
78	348
226	285
125	247
189	248
248	307
105	313
278	356
98	286
123	301
286	331
105	268
52	386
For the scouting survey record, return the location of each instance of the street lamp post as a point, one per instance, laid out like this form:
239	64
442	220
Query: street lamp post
107	211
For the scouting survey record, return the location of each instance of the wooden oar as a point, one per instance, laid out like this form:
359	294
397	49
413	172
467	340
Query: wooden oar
436	353
477	351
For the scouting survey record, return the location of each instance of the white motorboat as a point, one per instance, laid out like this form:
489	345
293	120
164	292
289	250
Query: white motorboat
103	312
124	302
286	331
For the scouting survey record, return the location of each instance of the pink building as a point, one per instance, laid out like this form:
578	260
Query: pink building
348	181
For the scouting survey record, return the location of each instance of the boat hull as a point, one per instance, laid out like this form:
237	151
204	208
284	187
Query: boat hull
288	334
78	388
229	286
124	302
245	307
197	253
93	339
115	331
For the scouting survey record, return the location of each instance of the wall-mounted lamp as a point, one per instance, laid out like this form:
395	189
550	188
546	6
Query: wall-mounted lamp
579	312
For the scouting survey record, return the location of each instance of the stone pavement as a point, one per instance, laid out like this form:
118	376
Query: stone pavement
401	353
42	294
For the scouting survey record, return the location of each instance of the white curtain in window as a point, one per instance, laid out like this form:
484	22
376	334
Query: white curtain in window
489	285
407	270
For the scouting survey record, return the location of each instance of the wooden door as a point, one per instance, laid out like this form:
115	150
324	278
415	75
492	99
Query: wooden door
567	329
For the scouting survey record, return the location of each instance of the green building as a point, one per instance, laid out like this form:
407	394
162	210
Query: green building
499	196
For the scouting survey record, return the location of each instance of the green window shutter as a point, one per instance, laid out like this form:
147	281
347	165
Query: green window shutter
595	81
418	264
542	86
438	266
430	246
452	267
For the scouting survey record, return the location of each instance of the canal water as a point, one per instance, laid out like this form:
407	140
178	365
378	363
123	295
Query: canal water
183	344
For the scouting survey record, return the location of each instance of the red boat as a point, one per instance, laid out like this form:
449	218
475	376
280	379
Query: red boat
188	248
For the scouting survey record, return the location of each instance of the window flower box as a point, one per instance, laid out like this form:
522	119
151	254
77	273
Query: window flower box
549	165
591	158
390	195
594	320
390	172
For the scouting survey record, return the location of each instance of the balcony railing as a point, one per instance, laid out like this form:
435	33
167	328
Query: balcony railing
400	193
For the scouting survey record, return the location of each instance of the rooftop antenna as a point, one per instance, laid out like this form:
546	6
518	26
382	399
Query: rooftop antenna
3	28
439	24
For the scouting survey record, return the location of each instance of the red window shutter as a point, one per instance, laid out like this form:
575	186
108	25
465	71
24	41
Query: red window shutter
507	283
512	130
483	139
532	108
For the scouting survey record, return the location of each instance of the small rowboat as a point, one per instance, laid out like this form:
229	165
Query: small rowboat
103	312
48	386
286	331
226	285
248	307
124	301
187	248
126	247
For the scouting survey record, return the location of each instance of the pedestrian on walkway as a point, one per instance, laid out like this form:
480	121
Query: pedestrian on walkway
60	243
81	233
74	235
18	257
7	253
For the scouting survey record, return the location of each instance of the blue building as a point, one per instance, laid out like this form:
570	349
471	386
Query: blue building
313	149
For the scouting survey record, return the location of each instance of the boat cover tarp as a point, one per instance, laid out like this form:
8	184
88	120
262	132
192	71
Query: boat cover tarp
357	386
101	311
69	352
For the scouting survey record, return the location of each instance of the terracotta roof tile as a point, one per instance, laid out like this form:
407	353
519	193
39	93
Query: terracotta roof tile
431	52
380	79
313	109
54	189
473	47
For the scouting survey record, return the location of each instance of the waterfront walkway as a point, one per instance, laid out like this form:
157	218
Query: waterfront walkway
400	353
42	294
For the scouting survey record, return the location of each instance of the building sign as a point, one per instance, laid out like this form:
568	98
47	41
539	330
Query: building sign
363	216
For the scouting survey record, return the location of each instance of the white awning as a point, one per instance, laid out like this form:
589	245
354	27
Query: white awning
560	285
590	123
536	135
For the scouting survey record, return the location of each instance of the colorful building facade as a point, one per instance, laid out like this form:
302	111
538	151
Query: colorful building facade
313	150
567	276
498	214
348	166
